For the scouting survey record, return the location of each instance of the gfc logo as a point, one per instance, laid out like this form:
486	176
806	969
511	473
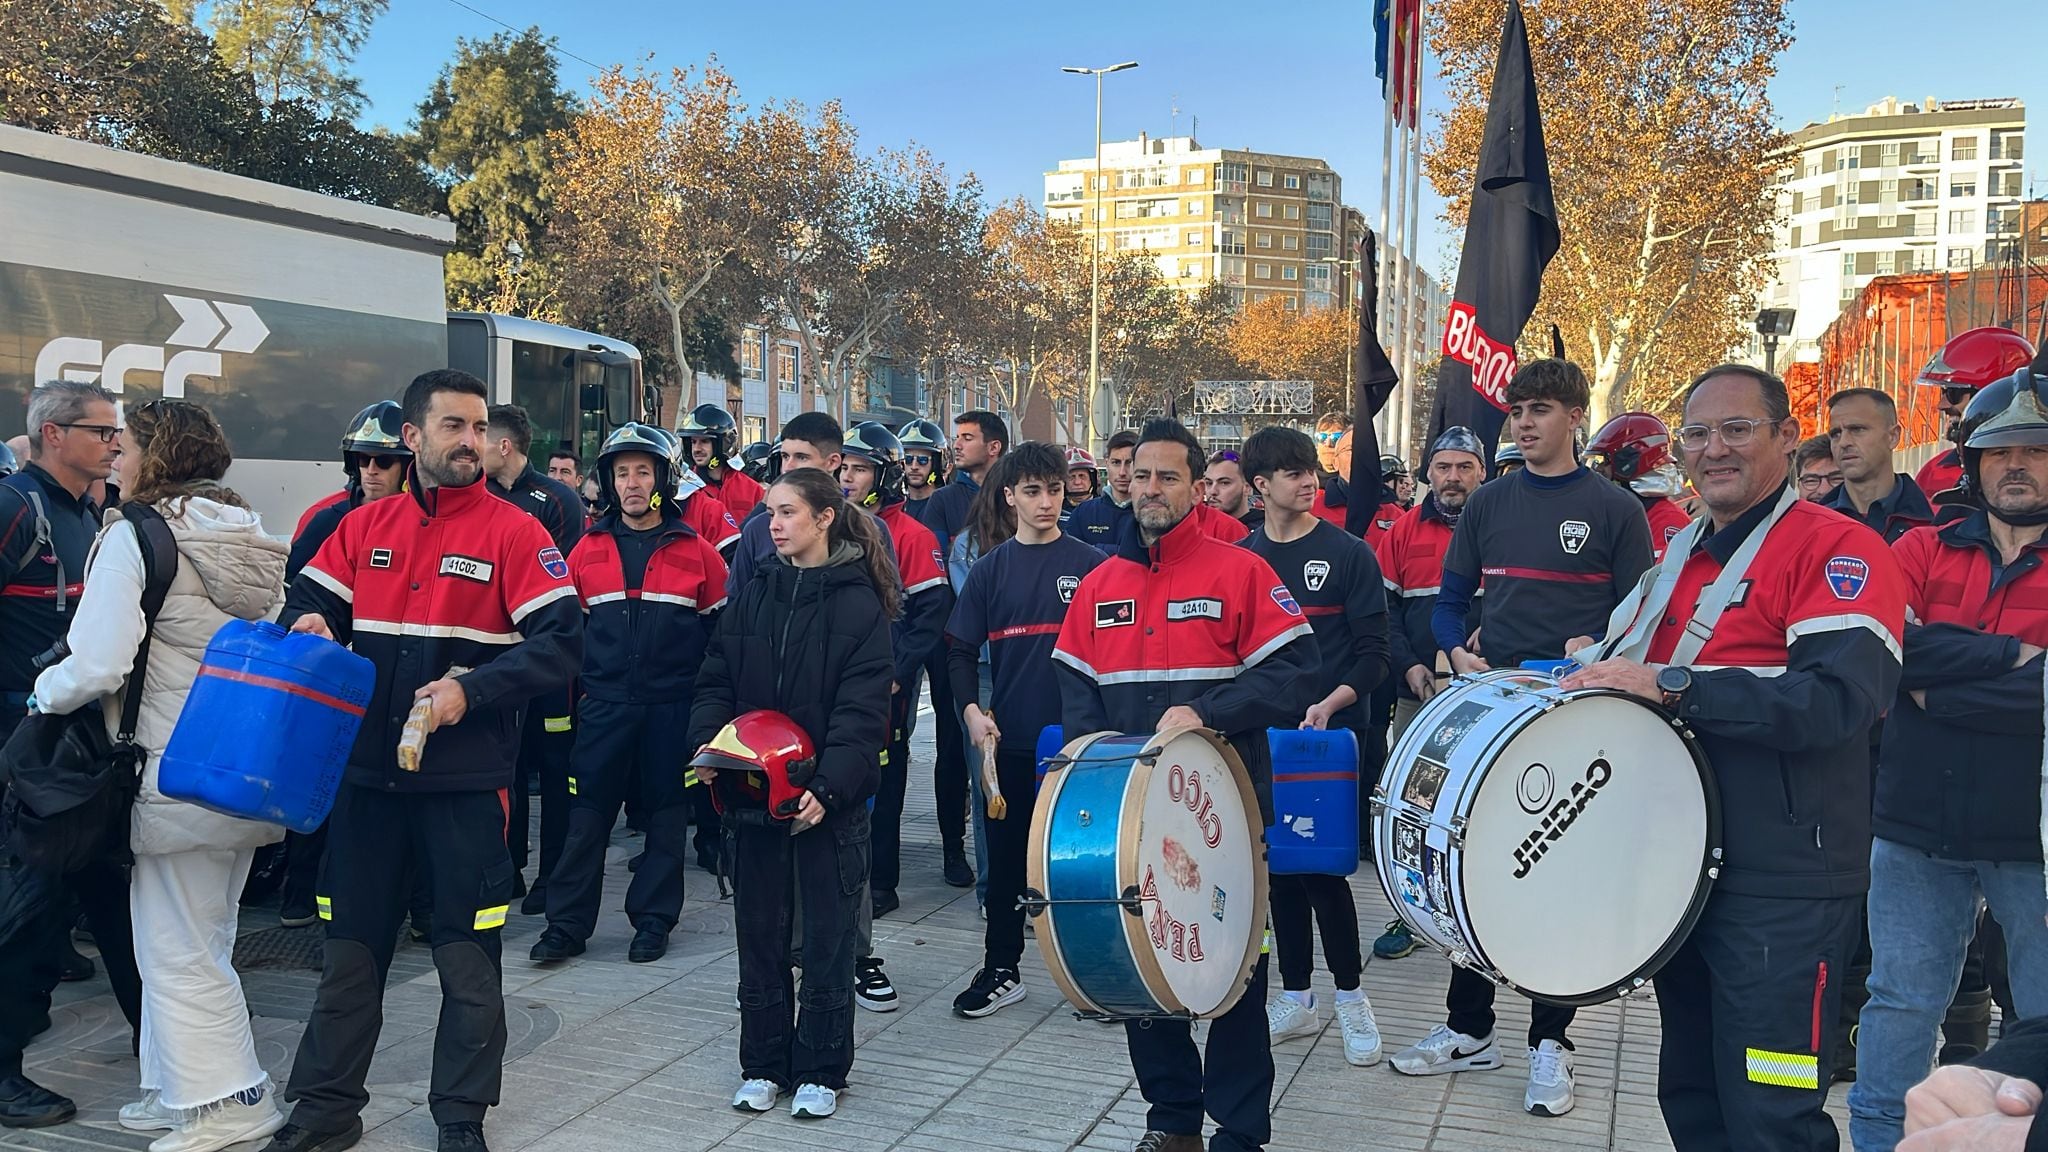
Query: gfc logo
205	330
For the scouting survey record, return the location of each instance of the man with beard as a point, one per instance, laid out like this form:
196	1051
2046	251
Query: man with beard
447	577
924	470
1969	361
1230	492
1969	705
1240	670
710	437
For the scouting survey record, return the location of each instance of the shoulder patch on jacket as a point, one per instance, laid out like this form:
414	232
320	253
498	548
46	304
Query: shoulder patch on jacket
1285	600
1847	575
551	562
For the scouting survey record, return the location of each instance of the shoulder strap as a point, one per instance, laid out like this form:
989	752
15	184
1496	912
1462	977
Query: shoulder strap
159	550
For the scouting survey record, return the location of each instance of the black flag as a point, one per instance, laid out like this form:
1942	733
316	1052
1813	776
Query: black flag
1373	385
1509	239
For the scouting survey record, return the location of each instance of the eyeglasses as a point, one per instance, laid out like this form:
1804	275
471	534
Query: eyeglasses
1733	433
383	461
105	432
1958	395
1330	436
1815	481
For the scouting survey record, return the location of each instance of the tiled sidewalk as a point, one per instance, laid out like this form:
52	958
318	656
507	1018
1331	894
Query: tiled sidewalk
606	1055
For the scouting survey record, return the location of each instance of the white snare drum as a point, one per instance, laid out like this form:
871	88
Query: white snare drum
1147	874
1560	843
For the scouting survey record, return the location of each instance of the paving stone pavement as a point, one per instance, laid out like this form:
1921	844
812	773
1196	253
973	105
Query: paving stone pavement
610	1055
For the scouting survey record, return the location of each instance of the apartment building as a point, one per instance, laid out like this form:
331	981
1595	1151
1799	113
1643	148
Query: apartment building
1898	188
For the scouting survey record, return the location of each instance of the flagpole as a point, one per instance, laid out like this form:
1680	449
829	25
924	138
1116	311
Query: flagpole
1398	238
1382	276
1414	234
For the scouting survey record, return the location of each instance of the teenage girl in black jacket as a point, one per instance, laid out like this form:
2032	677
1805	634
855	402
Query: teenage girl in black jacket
808	636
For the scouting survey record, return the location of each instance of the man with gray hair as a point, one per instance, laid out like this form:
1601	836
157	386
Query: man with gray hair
47	525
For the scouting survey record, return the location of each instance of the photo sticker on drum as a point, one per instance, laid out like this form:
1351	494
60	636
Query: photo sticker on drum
1409	887
1217	902
1436	876
1425	783
1408	844
1451	729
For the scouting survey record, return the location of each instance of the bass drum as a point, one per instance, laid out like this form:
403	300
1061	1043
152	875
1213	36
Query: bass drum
1560	843
1147	874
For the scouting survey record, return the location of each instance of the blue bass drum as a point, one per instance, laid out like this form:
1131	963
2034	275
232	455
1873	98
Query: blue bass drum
1147	874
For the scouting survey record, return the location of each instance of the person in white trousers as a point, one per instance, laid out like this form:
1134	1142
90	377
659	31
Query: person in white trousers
200	1078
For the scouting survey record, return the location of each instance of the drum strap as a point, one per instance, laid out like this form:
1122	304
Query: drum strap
1634	620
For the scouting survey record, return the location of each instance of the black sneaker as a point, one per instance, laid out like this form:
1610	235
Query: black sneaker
27	1104
464	1136
298	912
993	988
871	987
885	902
292	1138
536	902
958	874
555	945
650	943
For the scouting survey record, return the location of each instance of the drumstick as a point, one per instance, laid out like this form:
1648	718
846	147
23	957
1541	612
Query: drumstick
998	808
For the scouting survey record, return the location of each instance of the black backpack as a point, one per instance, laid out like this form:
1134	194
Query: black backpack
69	788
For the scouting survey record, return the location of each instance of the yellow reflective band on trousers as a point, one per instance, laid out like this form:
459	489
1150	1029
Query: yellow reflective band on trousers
490	917
325	906
1784	1069
556	723
572	785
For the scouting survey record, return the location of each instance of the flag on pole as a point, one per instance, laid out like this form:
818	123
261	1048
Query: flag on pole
1382	35
1407	51
1374	383
1509	239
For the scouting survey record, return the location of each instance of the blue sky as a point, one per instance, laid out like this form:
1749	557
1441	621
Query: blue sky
979	84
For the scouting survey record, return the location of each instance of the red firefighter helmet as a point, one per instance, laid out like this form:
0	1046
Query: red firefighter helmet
770	745
1634	449
1978	357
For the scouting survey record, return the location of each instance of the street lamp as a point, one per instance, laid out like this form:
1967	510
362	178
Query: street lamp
1350	323
1095	250
1772	323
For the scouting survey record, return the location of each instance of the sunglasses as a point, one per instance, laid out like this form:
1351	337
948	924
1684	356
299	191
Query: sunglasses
382	461
1329	437
1958	395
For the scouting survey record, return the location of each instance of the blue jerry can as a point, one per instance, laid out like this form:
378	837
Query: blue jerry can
1050	741
268	725
1315	801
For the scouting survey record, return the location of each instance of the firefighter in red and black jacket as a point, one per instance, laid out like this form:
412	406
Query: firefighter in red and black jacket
710	437
1969	361
1127	664
1634	451
1781	694
649	584
445	576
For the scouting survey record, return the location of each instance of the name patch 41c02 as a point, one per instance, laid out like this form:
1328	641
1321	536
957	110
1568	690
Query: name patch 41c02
1199	608
468	568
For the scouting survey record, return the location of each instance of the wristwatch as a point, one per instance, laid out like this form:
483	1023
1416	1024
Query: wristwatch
1674	681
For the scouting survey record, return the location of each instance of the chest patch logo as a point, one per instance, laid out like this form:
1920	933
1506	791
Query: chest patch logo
1199	608
551	562
1847	575
1572	535
1066	586
1670	533
1285	600
467	568
380	557
1315	572
1116	613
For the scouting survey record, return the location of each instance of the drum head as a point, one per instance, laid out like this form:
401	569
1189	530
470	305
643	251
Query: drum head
1193	843
1585	849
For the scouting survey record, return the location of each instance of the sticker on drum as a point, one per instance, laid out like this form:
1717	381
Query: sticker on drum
1408	844
1445	736
1425	783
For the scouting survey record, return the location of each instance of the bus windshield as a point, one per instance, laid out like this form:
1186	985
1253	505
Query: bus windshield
548	381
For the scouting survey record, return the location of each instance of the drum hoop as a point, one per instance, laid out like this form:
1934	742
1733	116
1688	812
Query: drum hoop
1035	876
1134	929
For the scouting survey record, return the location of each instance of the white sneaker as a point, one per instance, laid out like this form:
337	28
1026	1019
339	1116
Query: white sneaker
1446	1051
1287	1018
756	1096
149	1114
1550	1080
813	1102
1361	1032
221	1125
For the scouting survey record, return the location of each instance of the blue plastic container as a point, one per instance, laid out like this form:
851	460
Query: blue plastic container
1315	801
268	725
1050	741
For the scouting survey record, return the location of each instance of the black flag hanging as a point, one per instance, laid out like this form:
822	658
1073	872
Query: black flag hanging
1373	385
1509	239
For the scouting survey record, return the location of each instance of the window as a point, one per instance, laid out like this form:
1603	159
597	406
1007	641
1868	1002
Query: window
2001	251
1920	190
1962	185
2005	183
750	355
1317	275
1963	148
2005	146
1319	244
1294	211
1812	168
1962	220
1287	303
1190	269
1961	259
1888	188
1195	236
1232	177
1265	240
1233	242
1289	272
1290	243
1923	259
1886	263
1848	263
1888	220
1852	193
1891	154
1262	272
1322	186
1260	297
2003	221
1196	175
1292	181
1320	300
1265	178
1319	216
1194	207
1263	210
785	366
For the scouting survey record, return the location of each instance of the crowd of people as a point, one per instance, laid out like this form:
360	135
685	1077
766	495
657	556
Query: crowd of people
730	644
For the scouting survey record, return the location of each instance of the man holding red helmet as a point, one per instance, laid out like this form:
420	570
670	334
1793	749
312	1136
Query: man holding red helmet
1634	451
1968	362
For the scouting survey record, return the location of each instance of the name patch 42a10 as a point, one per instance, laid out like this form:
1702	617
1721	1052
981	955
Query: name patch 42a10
468	568
1199	608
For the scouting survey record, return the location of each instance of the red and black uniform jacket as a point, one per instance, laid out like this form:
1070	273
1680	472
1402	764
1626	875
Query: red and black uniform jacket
1411	556
736	490
1666	519
927	596
644	641
1961	778
432	578
1189	620
1940	474
35	606
1800	666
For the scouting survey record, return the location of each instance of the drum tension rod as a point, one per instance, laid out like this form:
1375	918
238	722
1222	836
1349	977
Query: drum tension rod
1140	1017
1033	901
